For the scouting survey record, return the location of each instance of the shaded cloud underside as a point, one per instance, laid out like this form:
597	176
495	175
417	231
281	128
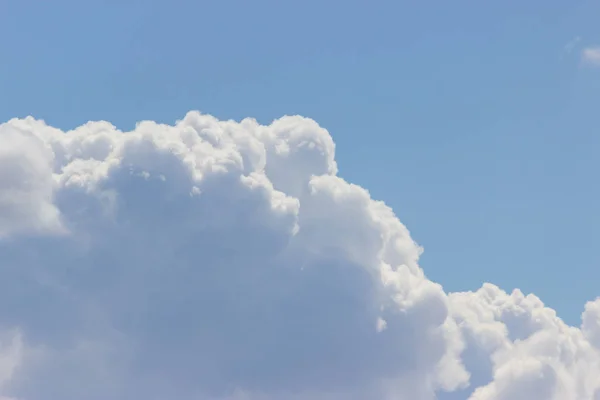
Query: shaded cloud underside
223	260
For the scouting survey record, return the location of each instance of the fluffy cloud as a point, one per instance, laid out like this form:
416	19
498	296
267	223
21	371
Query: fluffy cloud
525	348
26	184
223	260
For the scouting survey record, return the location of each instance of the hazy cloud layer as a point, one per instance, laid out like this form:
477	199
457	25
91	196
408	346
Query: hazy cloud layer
591	56
223	260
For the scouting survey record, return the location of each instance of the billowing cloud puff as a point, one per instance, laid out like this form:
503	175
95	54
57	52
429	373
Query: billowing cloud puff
227	260
528	351
26	184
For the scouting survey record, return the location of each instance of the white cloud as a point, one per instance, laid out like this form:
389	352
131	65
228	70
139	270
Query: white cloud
591	56
221	260
26	203
591	322
11	347
527	349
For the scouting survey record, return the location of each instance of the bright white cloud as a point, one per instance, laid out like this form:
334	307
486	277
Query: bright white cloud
591	56
591	322
527	349
222	260
26	184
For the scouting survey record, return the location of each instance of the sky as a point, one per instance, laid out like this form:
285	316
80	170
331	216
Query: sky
474	123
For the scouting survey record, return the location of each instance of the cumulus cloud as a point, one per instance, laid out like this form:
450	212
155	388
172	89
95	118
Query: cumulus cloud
591	56
26	183
227	260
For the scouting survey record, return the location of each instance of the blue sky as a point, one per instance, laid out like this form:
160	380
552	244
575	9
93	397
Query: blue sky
473	120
